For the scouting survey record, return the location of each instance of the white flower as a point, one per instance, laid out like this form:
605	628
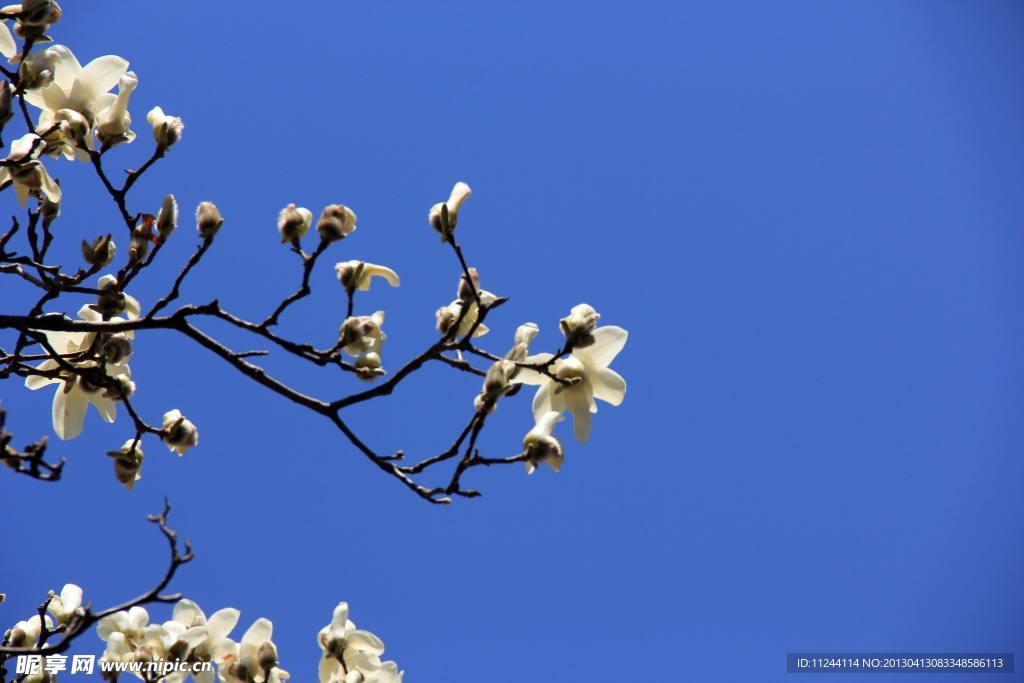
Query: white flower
179	432
336	222
132	623
74	394
459	194
25	633
166	129
26	172
448	315
207	640
208	220
578	326
255	653
114	302
359	649
293	222
114	123
360	334
64	605
356	275
84	89
588	375
541	446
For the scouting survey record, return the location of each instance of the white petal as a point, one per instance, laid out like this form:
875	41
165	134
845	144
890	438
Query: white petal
103	73
65	68
36	382
7	46
608	386
114	623
221	622
260	632
70	597
138	617
188	613
608	341
546	400
69	413
365	641
204	676
106	406
528	376
328	668
578	404
50	188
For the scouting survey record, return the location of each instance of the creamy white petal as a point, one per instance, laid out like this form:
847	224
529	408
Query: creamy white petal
260	632
608	386
114	623
8	48
578	404
608	342
188	613
328	668
138	617
221	622
546	400
70	597
65	68
69	413
529	376
106	407
36	382
365	641
103	73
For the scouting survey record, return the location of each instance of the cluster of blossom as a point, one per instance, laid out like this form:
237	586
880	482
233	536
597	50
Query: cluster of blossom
350	655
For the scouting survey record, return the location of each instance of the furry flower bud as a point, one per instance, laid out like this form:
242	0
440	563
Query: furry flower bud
128	463
100	252
336	222
166	129
167	219
578	326
540	446
293	223
178	432
444	215
208	220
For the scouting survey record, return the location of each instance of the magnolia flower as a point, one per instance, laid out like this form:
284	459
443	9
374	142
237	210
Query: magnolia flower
114	123
336	222
206	639
447	316
360	334
444	215
84	89
584	376
128	463
74	393
208	220
255	654
293	222
166	129
355	275
72	139
64	605
112	301
178	432
25	633
360	650
495	385
540	446
23	168
131	623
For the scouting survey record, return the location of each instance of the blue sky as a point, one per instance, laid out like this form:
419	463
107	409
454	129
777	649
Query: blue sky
808	216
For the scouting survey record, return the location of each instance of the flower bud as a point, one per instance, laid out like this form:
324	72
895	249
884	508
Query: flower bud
100	252
114	122
178	432
116	349
578	326
336	222
122	389
50	211
36	71
35	17
369	365
495	384
293	223
73	127
444	216
166	129
6	102
111	300
208	220
167	219
128	463
524	335
267	655
359	334
446	317
465	292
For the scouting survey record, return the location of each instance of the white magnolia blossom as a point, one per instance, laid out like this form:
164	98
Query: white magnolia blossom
337	221
584	376
26	172
84	89
360	650
356	275
66	604
447	315
131	638
25	633
207	638
166	129
180	434
293	222
460	193
75	394
578	326
251	657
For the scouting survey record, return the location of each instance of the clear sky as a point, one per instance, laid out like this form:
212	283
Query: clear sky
808	215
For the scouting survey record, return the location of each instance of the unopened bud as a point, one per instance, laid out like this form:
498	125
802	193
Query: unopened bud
128	463
6	102
167	219
122	389
465	290
293	223
49	210
100	252
336	221
208	220
73	126
578	326
166	129
35	18
445	215
446	318
116	349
